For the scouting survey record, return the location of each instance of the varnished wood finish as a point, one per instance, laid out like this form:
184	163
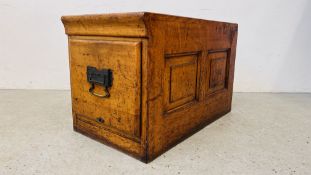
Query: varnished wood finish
123	24
171	76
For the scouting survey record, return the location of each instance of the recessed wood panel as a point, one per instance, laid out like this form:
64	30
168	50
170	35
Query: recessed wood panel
180	80
217	71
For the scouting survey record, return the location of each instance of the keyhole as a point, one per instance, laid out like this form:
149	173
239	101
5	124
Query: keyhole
100	120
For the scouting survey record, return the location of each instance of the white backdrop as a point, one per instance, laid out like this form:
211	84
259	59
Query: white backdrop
274	43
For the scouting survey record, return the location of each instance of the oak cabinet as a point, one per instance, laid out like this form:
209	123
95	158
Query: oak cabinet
143	82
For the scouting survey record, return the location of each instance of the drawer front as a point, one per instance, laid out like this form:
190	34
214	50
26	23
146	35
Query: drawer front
120	112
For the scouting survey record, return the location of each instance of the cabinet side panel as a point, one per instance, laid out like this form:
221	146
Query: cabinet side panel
208	77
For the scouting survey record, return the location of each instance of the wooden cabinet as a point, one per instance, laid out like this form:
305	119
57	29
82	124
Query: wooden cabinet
168	77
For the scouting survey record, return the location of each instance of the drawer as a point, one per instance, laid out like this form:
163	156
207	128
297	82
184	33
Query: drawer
121	111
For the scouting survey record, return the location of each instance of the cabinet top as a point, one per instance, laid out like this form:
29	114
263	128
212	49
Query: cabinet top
133	24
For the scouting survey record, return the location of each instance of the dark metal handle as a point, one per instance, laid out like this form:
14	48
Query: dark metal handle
106	95
101	77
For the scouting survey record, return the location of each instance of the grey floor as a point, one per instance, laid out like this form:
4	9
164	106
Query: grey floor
264	134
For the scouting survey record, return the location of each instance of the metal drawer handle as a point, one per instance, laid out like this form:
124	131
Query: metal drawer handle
101	77
106	95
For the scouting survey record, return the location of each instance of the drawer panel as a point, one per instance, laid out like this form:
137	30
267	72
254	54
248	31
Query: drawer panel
120	111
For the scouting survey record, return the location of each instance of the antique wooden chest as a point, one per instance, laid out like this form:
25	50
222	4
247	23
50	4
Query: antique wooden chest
143	82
